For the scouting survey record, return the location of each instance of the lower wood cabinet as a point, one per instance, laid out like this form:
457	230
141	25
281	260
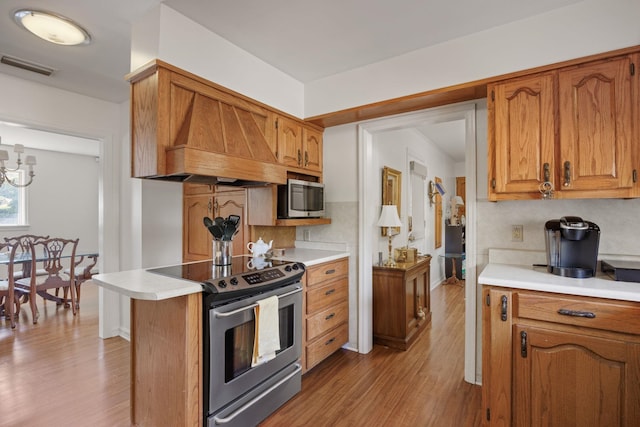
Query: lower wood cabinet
326	311
552	359
401	302
166	361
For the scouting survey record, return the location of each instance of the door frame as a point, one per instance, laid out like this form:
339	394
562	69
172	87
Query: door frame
368	186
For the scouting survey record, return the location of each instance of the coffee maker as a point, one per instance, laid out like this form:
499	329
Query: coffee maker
572	247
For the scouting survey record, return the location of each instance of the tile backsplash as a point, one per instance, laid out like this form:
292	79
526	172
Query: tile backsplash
617	218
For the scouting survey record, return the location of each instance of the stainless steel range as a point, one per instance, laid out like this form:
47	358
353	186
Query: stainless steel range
235	392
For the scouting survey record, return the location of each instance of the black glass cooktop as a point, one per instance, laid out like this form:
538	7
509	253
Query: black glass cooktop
203	271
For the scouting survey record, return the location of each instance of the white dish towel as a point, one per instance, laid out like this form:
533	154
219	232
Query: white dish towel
267	334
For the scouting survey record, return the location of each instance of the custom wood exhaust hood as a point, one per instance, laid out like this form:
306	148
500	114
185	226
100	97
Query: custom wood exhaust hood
185	128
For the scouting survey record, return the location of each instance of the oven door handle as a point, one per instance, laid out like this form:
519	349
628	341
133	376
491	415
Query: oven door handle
255	400
248	307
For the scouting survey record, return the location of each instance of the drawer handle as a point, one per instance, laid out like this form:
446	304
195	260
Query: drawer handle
333	270
330	291
503	308
330	341
331	316
574	313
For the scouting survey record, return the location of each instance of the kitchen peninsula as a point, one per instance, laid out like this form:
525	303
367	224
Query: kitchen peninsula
562	349
167	355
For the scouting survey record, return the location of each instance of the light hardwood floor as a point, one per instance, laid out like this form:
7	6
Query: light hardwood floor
423	386
59	373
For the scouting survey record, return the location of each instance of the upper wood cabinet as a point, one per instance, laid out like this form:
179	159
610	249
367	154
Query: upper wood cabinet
521	117
595	126
571	127
183	125
289	142
312	148
299	146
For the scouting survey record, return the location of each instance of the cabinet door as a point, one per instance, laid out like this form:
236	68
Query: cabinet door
289	142
570	379
497	321
595	126
197	241
522	123
312	148
233	203
422	296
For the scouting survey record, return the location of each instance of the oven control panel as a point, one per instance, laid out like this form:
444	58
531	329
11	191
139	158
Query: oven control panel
256	281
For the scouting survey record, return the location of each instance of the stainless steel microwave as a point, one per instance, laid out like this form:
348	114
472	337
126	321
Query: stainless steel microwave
301	199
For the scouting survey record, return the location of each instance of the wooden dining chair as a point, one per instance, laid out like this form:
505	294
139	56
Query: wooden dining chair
22	243
9	297
83	272
53	256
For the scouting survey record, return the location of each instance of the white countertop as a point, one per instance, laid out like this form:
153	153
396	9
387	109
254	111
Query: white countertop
140	284
311	257
538	279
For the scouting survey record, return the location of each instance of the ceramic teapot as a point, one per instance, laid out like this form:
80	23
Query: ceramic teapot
259	248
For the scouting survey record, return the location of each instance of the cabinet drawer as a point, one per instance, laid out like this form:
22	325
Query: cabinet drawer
618	316
326	271
326	344
319	298
327	319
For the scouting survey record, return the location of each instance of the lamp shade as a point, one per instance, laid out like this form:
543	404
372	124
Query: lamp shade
458	201
389	217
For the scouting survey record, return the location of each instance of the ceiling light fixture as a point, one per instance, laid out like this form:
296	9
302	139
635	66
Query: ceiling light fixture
52	27
5	172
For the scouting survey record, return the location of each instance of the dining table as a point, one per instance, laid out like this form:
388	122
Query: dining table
25	259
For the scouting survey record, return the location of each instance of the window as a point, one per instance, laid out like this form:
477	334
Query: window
13	210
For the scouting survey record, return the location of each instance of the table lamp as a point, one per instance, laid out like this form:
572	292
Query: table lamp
389	218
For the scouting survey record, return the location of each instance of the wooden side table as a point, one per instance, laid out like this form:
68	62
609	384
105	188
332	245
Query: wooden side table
401	302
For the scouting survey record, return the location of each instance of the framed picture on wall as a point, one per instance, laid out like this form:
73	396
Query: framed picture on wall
391	192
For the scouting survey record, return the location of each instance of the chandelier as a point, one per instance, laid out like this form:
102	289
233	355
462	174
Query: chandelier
4	171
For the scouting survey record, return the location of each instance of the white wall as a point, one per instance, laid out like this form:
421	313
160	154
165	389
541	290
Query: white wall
580	29
166	34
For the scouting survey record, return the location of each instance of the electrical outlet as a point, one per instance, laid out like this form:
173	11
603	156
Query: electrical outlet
517	233
307	235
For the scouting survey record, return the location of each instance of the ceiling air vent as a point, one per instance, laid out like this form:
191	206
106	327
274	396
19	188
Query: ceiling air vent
26	65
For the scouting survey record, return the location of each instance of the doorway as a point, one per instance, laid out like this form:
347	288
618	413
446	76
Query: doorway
368	185
107	200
